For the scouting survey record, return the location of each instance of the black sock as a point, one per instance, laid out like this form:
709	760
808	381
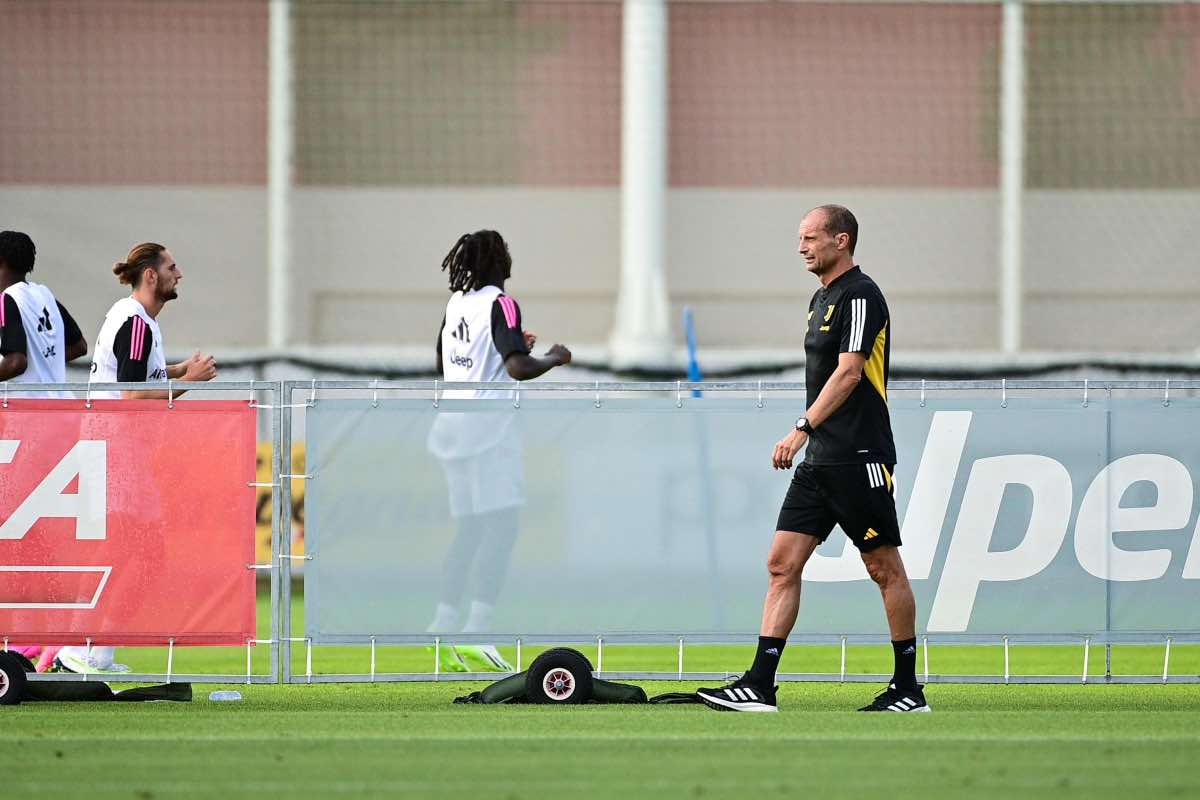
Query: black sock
905	676
766	661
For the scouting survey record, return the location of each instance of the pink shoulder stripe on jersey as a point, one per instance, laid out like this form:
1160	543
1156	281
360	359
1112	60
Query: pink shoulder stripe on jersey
138	338
3	295
510	310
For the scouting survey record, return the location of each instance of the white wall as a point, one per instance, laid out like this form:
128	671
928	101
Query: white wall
1105	271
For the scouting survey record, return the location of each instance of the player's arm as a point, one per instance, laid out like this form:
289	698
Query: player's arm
439	368
132	347
197	369
514	346
77	346
13	345
860	325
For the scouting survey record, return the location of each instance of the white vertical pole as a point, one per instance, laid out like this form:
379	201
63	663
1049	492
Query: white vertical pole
925	654
641	331
1012	171
279	171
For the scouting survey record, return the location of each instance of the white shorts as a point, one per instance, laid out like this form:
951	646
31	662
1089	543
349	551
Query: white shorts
487	481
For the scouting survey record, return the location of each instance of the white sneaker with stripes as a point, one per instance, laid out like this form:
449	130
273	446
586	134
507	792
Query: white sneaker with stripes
901	700
740	695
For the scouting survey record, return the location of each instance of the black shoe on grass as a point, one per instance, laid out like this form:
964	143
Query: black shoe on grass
740	695
902	700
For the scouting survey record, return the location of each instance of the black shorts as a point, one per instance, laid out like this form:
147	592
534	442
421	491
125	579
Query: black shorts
859	497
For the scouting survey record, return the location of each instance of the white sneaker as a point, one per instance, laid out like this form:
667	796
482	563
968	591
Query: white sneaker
72	663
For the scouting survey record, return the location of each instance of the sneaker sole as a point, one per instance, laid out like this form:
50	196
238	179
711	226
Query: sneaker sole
921	710
734	705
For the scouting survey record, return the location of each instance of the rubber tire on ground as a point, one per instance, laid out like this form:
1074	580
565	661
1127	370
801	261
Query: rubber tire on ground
12	681
573	662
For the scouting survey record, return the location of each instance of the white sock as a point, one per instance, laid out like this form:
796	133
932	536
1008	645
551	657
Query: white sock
479	619
445	618
102	657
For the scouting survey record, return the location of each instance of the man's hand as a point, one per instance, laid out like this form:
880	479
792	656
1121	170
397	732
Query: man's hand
786	449
199	368
530	340
560	354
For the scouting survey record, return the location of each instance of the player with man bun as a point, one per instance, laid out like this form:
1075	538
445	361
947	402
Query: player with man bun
130	349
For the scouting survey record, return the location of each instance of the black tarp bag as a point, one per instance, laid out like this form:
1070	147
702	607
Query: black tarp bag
16	688
563	676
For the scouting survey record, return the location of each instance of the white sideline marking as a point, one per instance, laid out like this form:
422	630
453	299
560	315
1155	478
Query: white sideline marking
105	572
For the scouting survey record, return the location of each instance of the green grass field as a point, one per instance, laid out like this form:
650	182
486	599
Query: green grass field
408	740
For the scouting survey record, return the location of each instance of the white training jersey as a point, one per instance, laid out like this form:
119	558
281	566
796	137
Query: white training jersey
129	348
481	329
45	336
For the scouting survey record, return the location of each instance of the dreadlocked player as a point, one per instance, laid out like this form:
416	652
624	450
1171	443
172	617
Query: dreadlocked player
481	340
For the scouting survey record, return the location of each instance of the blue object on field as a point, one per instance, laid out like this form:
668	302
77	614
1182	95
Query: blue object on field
225	694
689	332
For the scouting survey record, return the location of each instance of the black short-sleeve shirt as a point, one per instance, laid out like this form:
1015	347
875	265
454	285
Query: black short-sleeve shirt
850	315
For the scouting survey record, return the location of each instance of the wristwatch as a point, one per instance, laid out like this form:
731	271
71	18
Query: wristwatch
802	425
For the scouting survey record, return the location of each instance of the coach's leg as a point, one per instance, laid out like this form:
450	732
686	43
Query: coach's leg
785	563
886	568
789	553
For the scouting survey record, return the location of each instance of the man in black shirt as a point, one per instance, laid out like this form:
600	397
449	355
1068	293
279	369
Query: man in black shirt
846	476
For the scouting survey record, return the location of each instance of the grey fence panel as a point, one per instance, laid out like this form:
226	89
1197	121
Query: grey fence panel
648	518
1152	484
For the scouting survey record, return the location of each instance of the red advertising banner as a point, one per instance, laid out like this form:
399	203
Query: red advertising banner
127	523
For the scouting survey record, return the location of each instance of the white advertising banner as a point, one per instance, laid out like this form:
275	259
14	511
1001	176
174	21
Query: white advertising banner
641	520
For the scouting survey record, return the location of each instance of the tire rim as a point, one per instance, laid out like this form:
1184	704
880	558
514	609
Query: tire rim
559	684
3	683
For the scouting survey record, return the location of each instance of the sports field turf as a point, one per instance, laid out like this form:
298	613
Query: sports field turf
407	740
1090	741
